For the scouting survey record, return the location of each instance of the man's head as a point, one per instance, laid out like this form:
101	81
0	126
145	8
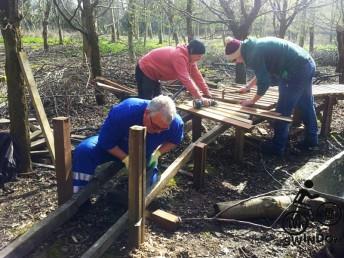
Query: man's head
196	50
159	114
232	50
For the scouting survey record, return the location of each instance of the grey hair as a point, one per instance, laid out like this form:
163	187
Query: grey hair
164	105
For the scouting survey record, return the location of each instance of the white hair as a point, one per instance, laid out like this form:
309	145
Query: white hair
164	105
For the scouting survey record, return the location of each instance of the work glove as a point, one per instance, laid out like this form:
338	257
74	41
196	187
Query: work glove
126	161
154	159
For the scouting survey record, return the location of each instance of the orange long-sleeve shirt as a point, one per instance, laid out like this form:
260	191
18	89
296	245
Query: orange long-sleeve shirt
171	63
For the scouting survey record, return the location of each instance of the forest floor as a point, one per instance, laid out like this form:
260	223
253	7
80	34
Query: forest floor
62	78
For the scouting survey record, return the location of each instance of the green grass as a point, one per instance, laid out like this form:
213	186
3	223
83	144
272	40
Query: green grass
327	47
33	40
107	47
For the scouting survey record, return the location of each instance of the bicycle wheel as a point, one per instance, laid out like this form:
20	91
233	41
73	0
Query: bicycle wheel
328	214
295	223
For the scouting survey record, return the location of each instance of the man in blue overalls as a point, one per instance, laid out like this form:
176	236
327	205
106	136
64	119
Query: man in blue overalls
164	132
294	67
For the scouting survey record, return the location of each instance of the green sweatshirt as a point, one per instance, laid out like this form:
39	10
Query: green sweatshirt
272	57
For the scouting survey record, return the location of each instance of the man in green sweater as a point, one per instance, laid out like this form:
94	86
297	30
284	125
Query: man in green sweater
294	68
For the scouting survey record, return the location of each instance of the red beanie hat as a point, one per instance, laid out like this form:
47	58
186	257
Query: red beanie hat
233	47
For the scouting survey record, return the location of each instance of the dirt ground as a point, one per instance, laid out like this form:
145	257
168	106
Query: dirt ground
61	76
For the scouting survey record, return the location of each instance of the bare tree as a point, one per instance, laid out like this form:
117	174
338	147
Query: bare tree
340	41
131	22
189	20
18	111
45	24
238	16
284	13
88	29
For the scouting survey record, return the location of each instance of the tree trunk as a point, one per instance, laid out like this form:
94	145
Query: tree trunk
93	47
303	29
131	22
59	28
17	105
188	20
113	26
340	46
240	69
311	40
145	23
45	23
160	29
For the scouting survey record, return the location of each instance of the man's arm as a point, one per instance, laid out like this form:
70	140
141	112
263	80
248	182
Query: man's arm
166	147
117	152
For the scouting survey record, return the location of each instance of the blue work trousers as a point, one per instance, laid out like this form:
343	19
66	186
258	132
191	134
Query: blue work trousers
296	91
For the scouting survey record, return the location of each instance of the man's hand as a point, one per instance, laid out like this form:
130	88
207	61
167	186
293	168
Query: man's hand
154	159
247	102
244	90
126	161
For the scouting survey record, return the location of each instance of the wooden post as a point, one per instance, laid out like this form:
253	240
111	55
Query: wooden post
200	157
196	127
239	143
137	185
37	102
327	116
63	163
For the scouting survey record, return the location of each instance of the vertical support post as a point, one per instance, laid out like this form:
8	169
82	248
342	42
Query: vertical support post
200	157
196	127
137	185
239	143
327	116
63	164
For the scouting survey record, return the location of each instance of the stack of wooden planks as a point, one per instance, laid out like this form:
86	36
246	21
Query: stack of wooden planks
232	114
230	94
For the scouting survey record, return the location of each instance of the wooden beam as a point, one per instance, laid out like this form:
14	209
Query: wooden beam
239	144
115	85
196	127
165	219
137	185
37	102
330	101
100	246
200	158
29	241
37	143
63	163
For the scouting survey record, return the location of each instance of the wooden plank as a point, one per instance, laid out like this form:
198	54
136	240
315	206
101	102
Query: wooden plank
115	85
37	143
42	165
29	241
102	244
253	111
37	102
112	89
63	163
200	159
165	219
39	153
7	121
137	185
35	135
227	113
215	117
256	105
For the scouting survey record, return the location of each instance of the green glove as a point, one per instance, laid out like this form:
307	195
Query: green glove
126	161
154	159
